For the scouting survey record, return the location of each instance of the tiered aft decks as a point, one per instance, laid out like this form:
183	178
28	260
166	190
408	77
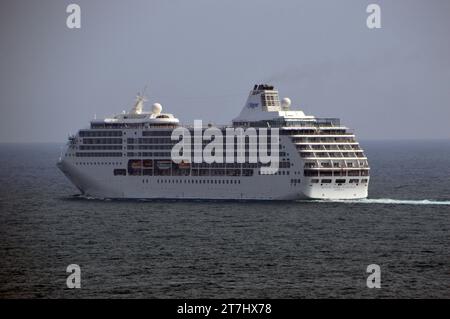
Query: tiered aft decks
330	160
328	150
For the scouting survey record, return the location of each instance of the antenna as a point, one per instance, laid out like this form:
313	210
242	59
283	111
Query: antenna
139	105
141	95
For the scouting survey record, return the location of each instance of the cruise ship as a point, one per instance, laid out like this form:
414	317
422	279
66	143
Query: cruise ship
129	156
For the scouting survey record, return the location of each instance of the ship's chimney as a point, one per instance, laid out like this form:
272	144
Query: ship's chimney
265	98
261	99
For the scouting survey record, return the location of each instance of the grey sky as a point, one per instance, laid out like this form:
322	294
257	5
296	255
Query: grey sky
201	57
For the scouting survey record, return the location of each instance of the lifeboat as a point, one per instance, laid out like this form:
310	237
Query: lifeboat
147	163
135	164
164	164
184	165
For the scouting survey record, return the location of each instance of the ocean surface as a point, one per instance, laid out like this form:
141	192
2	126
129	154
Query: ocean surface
195	249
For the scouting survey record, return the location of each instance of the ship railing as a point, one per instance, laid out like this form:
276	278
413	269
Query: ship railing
209	125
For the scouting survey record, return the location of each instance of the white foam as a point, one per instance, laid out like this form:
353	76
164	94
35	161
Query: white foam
385	201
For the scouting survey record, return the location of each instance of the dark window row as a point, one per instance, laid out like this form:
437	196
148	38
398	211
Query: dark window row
102	141
282	164
196	181
194	172
170	146
154	140
100	147
168	168
157	133
275	173
99	133
149	154
98	163
336	173
339	181
98	154
168	140
318	132
150	147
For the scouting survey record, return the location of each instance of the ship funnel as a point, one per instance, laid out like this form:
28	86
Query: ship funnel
262	98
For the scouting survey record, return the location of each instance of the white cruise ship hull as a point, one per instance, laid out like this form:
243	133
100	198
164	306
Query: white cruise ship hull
92	182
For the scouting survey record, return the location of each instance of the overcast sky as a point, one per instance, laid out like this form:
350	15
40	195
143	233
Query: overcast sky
199	59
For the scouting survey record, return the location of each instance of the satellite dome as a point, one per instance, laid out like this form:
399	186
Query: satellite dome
286	103
156	108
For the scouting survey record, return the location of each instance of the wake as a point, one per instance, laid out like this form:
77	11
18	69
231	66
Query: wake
380	201
385	201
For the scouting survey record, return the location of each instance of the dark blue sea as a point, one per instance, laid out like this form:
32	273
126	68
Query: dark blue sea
162	249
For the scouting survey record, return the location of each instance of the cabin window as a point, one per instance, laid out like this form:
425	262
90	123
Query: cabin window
353	173
326	173
364	173
340	181
339	173
311	173
120	172
326	181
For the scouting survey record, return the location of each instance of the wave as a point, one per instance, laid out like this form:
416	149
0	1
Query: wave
385	201
87	197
